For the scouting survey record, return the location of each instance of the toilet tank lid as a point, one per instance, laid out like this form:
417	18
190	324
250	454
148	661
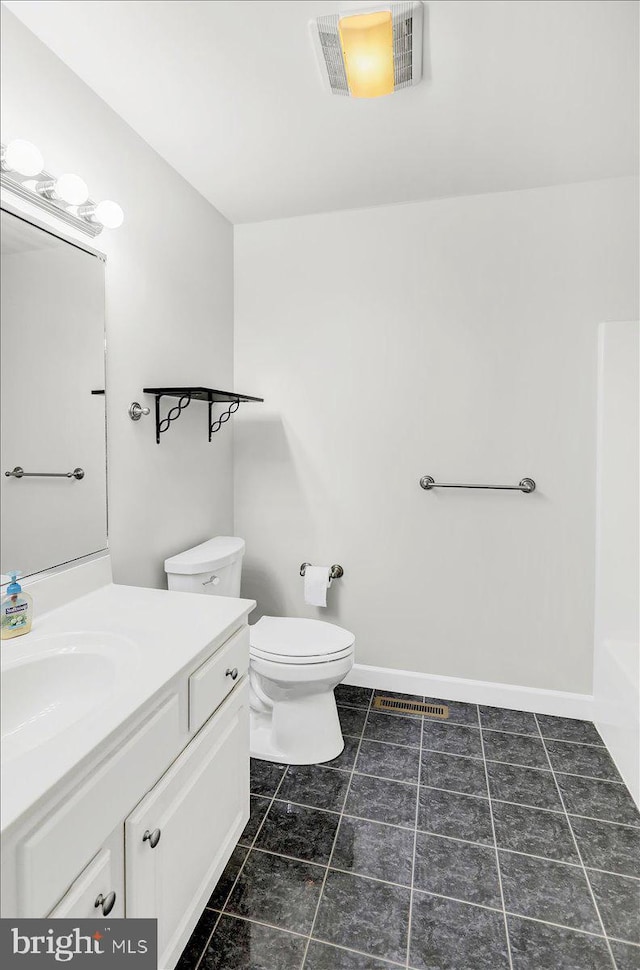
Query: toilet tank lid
212	554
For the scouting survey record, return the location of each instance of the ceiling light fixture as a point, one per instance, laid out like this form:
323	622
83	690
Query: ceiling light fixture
371	51
367	48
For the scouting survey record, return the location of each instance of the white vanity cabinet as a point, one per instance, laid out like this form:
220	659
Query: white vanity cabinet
99	889
181	834
146	827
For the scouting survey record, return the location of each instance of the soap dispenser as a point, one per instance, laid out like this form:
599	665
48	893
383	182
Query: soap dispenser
16	610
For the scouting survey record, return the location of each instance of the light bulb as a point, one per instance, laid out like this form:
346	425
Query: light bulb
71	189
23	157
109	214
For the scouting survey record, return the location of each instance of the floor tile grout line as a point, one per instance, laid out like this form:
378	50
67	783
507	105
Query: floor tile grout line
304	936
517	764
531	919
575	842
495	843
560	926
493	761
536	737
554	811
415	843
446	722
435	835
506	801
486	727
362	953
454	791
563	862
315	808
361	818
605	821
324	865
316	939
582	744
335	838
397	781
244	861
424	892
619	939
392	744
502	801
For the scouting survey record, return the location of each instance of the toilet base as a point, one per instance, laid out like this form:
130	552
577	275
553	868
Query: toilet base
263	749
294	728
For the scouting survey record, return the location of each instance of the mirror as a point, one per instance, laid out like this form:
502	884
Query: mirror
52	344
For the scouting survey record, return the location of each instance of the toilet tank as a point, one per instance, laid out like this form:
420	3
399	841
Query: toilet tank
214	567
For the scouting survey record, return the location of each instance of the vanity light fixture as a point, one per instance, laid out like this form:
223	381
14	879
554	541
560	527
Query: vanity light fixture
68	188
107	214
370	51
65	197
22	157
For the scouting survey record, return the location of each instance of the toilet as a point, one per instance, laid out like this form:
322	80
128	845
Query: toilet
295	664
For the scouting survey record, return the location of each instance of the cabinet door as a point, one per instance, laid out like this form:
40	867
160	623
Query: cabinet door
200	807
101	883
58	848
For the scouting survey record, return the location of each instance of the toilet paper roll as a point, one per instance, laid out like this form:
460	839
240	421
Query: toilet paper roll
316	583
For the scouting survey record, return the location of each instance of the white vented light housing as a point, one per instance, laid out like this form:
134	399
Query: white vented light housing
370	51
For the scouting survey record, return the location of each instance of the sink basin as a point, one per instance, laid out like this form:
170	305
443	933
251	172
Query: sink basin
61	680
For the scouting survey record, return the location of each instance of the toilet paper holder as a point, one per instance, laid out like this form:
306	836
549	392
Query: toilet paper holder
335	572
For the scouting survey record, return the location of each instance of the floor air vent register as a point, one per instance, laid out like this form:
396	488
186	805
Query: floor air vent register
399	706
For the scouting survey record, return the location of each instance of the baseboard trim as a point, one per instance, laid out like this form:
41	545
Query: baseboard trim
559	703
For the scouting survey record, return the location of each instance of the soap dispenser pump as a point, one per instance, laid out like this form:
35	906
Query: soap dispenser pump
16	609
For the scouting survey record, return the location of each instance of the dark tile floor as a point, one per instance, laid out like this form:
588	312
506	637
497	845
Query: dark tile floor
496	839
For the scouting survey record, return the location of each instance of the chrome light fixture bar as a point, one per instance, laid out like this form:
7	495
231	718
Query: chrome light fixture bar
66	197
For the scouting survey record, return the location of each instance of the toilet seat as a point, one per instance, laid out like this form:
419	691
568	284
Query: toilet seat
279	658
291	640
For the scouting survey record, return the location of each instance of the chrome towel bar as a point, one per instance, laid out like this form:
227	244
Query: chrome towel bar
524	485
18	472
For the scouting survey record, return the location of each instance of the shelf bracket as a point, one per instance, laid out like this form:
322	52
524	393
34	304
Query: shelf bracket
224	417
185	395
163	424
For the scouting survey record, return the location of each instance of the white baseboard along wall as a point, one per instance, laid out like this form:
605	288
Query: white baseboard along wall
555	702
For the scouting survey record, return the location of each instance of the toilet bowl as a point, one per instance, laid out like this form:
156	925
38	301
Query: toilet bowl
295	664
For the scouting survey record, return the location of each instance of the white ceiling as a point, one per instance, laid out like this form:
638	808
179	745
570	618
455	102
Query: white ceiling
517	94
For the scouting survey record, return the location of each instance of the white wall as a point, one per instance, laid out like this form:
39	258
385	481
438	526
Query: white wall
616	667
169	307
455	338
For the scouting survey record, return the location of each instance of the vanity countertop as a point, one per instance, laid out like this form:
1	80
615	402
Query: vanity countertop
117	648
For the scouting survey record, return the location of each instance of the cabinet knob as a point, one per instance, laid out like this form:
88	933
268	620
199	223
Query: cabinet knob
231	673
106	902
152	837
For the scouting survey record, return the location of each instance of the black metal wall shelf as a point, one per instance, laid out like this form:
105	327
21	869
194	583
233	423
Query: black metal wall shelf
186	395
